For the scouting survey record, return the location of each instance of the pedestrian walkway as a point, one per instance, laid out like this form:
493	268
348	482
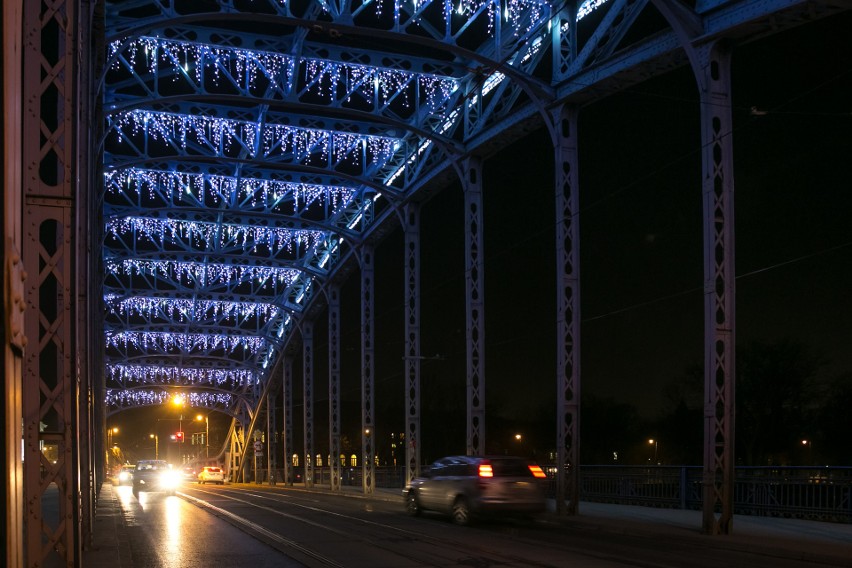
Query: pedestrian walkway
827	544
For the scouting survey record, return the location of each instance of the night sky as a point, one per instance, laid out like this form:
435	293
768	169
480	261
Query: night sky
641	235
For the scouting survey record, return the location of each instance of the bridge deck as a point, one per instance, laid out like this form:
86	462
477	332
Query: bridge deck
817	543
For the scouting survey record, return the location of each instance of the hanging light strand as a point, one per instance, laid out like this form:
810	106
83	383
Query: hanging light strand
324	76
190	310
155	374
211	235
277	138
132	397
172	185
185	342
204	273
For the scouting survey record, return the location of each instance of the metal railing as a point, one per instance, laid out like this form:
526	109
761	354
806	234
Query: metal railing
814	493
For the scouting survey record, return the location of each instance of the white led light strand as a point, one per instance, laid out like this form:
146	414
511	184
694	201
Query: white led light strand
191	310
203	273
172	184
212	235
276	138
186	342
132	397
588	7
155	374
183	57
513	11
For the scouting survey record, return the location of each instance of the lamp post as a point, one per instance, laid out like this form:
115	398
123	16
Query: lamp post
808	444
156	445
110	433
206	432
656	444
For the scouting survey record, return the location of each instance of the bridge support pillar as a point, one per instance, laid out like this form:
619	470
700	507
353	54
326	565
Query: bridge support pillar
712	66
287	411
368	462
308	398
474	248
334	385
411	226
564	130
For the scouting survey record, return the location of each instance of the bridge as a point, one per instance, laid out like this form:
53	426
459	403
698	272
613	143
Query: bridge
195	194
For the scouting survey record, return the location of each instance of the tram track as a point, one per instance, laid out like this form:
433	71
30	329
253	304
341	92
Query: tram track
404	543
322	530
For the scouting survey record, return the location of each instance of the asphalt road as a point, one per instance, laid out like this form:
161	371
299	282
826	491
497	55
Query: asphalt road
257	526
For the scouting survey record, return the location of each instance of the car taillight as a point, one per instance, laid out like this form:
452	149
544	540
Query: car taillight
537	472
485	470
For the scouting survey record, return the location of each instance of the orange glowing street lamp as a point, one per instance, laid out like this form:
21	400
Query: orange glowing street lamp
206	420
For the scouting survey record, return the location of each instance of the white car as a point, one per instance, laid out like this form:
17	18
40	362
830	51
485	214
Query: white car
211	474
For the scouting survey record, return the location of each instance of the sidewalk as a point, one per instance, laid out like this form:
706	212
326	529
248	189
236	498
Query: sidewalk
825	543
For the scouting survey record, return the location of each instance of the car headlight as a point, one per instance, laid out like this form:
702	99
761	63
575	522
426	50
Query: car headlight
169	479
123	476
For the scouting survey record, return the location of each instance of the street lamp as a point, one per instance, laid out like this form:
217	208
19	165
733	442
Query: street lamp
656	444
808	444
110	433
206	419
156	445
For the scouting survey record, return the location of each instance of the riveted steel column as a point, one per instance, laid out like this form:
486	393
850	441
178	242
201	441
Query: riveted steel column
411	218
714	80
334	385
567	310
308	397
14	304
368	463
271	435
287	411
475	288
51	166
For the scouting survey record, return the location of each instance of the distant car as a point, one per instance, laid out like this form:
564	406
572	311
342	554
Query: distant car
211	474
468	486
189	474
125	475
155	475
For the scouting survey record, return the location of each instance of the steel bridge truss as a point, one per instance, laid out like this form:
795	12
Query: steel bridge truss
250	156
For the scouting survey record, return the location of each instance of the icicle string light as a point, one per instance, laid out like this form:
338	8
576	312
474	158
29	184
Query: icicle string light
277	139
155	374
171	184
513	12
276	67
191	310
204	273
588	7
185	342
211	235
132	397
183	56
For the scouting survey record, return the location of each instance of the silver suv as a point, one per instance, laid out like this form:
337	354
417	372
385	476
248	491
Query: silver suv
464	486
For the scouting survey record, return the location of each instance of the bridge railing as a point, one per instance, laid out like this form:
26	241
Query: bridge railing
815	493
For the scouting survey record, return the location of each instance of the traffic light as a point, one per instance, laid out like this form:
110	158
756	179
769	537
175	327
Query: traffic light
179	436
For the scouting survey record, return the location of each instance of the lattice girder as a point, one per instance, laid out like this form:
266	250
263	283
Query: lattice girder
138	191
226	403
198	131
128	276
405	90
430	17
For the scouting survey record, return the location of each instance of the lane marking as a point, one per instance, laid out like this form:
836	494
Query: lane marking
261	530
